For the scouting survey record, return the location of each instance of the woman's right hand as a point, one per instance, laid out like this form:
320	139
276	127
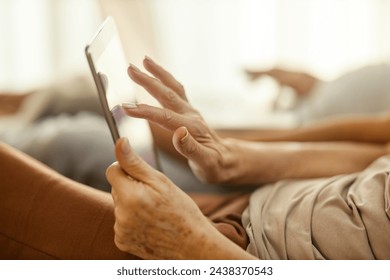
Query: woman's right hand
211	158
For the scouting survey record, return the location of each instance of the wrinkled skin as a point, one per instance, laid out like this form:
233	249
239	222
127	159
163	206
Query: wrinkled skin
154	218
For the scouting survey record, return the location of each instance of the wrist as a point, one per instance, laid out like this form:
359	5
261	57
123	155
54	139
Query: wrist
233	164
207	243
251	163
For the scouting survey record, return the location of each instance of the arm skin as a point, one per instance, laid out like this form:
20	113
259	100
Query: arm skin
356	128
370	129
359	129
331	148
258	163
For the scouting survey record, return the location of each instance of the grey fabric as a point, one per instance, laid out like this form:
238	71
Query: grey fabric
62	126
77	146
360	92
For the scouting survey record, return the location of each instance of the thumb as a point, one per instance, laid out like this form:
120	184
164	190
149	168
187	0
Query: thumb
131	163
196	154
185	144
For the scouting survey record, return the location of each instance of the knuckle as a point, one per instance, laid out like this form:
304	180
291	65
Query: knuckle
197	118
167	116
181	88
162	178
191	149
110	171
170	95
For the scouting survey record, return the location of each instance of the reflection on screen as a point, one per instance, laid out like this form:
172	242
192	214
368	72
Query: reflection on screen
112	69
112	63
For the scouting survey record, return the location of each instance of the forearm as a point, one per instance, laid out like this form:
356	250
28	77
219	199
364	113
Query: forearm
358	129
269	162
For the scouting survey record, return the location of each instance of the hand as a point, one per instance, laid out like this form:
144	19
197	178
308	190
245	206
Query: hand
210	157
301	82
154	218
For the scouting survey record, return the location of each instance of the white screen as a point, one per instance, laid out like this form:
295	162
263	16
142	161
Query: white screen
112	68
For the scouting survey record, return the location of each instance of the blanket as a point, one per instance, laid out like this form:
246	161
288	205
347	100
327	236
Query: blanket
343	217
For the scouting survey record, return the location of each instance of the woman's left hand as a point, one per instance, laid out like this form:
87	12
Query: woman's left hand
154	218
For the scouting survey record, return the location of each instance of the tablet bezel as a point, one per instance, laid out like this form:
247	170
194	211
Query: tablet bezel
93	50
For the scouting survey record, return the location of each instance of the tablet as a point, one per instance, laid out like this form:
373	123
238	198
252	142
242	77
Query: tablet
108	65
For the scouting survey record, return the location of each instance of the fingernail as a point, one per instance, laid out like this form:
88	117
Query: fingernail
149	59
125	146
129	105
134	68
184	138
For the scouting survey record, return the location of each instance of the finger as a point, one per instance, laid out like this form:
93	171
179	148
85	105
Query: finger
163	117
165	95
131	163
279	74
165	77
255	73
116	169
119	181
187	146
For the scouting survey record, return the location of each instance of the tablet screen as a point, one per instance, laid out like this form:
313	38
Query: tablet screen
109	65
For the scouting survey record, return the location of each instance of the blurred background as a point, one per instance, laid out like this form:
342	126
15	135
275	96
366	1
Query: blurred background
338	52
206	44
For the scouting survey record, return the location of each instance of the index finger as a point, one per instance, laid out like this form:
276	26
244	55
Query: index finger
165	77
166	118
167	97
